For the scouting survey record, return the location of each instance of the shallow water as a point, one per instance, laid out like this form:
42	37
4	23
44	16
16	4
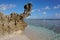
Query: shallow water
43	29
40	33
53	25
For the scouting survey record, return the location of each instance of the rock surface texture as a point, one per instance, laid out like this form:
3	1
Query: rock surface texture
14	22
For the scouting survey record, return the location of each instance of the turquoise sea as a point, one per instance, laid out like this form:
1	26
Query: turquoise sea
43	29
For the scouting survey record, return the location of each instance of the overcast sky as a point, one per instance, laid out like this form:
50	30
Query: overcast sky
49	9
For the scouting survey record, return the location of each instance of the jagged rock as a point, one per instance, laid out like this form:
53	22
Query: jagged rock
14	21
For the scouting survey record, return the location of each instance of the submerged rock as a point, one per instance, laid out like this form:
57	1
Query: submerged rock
14	22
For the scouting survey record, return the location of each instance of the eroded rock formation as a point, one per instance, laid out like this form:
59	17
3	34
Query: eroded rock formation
14	21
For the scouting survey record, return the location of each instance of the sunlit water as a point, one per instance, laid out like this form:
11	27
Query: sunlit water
43	29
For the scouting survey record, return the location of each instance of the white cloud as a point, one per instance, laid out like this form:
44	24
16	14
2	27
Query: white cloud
57	14
36	10
44	13
56	7
46	8
7	6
